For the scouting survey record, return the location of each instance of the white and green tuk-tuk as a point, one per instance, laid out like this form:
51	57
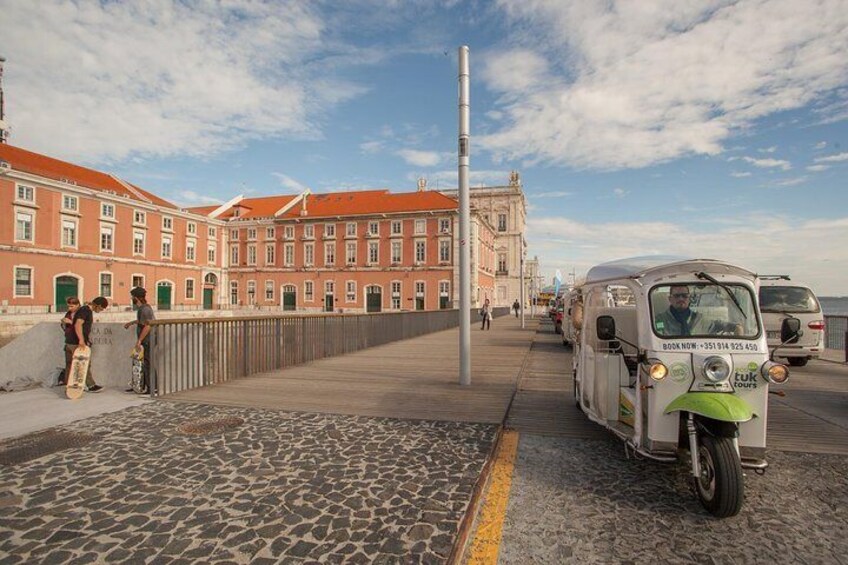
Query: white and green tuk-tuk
672	355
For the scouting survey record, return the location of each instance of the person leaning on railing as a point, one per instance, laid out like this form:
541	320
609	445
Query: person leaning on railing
144	315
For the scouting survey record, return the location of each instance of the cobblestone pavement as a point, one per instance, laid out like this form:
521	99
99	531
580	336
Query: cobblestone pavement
580	501
281	487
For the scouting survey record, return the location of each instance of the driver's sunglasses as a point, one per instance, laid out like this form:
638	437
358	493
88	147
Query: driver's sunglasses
680	295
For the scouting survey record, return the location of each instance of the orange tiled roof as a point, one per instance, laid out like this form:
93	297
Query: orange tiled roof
41	165
355	203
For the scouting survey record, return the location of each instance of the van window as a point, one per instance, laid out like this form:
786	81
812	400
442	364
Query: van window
703	310
795	299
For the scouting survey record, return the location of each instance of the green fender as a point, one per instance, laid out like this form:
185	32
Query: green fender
718	406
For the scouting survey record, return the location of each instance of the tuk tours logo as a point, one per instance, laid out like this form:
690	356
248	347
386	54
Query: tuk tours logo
746	377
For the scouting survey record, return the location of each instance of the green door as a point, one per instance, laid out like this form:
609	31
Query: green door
289	298
328	303
373	299
208	295
66	287
163	296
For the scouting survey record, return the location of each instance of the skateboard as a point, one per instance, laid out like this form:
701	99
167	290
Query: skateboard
79	369
137	379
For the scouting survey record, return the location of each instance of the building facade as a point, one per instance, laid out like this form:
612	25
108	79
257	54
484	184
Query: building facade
73	231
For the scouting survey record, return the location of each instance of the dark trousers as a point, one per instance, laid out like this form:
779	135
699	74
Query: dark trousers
145	364
487	322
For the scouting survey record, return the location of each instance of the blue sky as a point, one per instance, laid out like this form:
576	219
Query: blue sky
709	128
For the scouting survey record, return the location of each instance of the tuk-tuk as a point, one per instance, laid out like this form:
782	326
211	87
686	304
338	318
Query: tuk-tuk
672	355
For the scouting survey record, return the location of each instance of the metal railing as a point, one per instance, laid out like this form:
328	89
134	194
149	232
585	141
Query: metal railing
835	329
195	352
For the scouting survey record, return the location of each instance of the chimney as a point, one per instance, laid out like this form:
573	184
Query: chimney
303	210
422	184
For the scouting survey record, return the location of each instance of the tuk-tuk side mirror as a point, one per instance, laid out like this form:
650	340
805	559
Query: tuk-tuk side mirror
790	330
606	328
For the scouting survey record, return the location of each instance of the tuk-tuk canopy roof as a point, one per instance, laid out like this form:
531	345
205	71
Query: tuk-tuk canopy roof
638	267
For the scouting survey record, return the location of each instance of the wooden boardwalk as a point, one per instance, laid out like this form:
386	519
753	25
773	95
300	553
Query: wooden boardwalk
416	379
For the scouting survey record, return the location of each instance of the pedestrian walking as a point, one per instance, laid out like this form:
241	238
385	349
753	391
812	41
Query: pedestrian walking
486	312
144	315
79	336
516	306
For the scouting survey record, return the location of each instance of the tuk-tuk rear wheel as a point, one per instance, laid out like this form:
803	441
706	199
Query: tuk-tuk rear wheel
720	486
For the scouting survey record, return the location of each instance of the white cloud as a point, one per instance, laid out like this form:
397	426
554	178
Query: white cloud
739	175
449	179
617	84
620	192
551	194
794	181
818	168
771	149
820	145
105	81
768	163
420	158
289	183
832	158
371	147
187	198
766	244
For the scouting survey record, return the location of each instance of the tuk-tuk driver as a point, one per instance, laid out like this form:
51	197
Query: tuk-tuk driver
679	319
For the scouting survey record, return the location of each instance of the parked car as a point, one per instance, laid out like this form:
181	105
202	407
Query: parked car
782	298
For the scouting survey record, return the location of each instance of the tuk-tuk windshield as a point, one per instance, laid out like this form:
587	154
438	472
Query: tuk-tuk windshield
704	310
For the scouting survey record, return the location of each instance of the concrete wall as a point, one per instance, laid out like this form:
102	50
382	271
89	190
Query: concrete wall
35	357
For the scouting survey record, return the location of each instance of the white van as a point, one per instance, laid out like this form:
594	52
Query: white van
782	298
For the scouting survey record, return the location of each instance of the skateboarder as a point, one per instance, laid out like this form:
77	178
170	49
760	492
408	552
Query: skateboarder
144	315
83	317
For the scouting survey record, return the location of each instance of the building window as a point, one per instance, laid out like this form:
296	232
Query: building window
107	211
234	252
397	227
251	293
350	291
251	234
397	255
251	254
191	228
329	287
212	232
501	222
69	233
420	227
501	262
167	223
444	250
329	230
189	289
329	253
166	247
309	231
270	254
419	295
289	232
420	251
289	254
190	248
138	243
350	254
444	288
23	226
308	291
234	235
106	238
70	203
137	281
444	225
25	194
23	282
210	254
373	253
234	293
308	253
269	291
374	228
270	233
351	229
140	218
396	295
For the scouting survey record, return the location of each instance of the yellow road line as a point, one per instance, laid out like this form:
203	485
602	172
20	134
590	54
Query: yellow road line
487	537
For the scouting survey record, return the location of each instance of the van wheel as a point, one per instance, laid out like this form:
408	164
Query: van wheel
797	361
720	486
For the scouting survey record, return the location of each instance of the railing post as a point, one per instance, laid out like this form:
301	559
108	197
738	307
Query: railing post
153	366
845	345
244	348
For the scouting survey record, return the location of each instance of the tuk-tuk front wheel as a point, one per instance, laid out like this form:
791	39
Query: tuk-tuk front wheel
720	486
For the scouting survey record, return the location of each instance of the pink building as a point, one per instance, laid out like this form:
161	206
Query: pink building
73	231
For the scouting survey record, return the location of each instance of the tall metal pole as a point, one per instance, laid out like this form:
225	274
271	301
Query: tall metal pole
4	132
521	290
464	220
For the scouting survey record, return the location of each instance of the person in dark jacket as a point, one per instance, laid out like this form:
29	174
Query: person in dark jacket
80	336
144	315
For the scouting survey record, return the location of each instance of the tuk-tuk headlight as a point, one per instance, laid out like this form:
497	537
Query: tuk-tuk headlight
716	369
775	372
657	370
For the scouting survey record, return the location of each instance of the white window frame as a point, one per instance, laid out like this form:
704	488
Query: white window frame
251	292
330	230
191	251
269	290
234	293
211	232
104	207
234	255
329	253
308	254
139	218
505	222
420	245
75	223
420	293
350	291
109	231
396	295
289	232
309	231
397	245
32	217
137	276
234	234
186	287
270	254
444	250
330	288
66	200
31	270
211	254
191	228
308	291
444	225
288	254
350	253
373	245
374	228
251	234
24	200
111	276
350	229
251	254
143	235
397	227
270	232
420	227
166	239
167	223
